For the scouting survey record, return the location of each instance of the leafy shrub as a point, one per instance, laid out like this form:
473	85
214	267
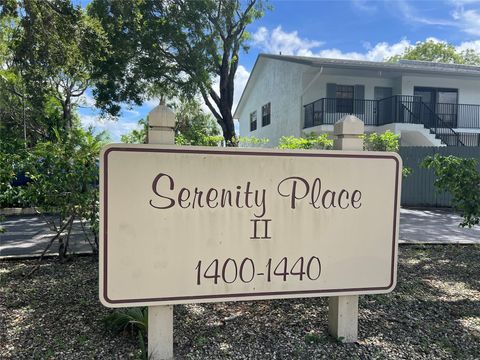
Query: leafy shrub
246	141
461	178
11	169
308	141
63	182
388	141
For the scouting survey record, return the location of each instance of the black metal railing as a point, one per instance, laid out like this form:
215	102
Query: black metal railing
465	116
440	119
328	111
442	130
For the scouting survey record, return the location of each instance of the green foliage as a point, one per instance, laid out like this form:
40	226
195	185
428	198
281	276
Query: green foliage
461	178
438	52
194	127
164	48
64	182
133	321
47	53
312	338
201	341
388	141
137	136
308	141
11	165
252	141
128	320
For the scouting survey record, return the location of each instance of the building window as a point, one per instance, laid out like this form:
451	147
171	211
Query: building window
266	114
253	121
344	99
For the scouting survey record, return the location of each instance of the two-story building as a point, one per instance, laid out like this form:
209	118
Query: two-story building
428	104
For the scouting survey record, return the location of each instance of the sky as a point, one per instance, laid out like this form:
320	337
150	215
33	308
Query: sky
351	29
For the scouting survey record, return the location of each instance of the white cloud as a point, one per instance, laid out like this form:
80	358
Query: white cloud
87	100
293	44
365	5
115	128
151	103
378	52
288	43
412	14
475	45
241	78
468	20
462	16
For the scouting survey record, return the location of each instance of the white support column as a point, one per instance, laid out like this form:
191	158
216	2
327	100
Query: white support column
161	124
343	310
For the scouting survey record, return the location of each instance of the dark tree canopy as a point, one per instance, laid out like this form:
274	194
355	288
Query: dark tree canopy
173	48
47	51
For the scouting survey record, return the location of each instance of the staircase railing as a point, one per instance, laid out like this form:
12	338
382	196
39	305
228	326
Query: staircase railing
438	127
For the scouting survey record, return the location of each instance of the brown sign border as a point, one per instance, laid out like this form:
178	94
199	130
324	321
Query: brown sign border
240	153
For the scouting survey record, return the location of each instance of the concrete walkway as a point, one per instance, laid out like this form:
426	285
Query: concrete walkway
435	226
28	235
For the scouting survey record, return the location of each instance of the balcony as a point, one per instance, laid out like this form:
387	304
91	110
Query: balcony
443	120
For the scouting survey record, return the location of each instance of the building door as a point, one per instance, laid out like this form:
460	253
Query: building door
447	106
443	102
383	106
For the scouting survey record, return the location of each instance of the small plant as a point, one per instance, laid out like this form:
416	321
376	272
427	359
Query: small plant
128	320
312	338
201	341
133	321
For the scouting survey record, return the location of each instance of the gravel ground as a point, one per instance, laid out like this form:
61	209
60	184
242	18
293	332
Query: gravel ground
434	313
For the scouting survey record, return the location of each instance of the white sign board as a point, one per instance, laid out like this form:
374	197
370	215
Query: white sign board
187	224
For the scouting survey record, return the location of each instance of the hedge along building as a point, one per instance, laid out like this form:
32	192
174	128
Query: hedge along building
426	103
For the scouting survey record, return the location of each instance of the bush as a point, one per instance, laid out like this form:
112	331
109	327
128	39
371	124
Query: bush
461	178
62	182
308	141
387	141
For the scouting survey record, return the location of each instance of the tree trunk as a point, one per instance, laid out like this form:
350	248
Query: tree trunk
229	128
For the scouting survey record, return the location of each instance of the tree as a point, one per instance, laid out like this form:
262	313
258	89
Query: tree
193	127
461	178
53	46
438	52
176	47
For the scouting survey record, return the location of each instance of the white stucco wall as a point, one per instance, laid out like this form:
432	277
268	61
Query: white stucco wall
280	83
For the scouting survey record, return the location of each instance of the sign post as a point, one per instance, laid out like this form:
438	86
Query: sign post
343	310
161	124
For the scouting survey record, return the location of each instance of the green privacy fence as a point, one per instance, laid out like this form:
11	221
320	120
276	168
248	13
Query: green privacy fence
417	188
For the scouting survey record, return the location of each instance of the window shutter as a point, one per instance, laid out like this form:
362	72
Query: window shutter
331	94
359	96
